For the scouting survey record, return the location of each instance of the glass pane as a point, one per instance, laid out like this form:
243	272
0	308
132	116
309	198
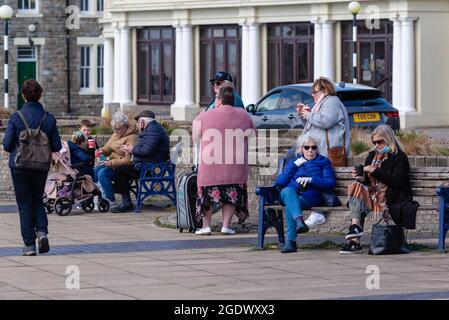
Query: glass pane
143	76
208	72
290	99
168	76
218	33
270	102
303	62
274	31
288	31
302	29
232	61
206	32
219	57
231	33
155	70
167	33
33	4
288	64
274	65
142	34
155	34
346	29
365	62
380	70
381	30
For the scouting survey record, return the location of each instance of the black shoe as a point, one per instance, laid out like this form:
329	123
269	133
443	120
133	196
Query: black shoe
42	240
290	246
351	247
122	208
355	231
301	226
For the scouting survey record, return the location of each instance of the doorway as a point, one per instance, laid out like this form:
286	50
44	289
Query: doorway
26	69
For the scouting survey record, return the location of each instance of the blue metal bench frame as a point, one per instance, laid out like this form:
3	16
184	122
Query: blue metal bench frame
155	179
443	195
269	217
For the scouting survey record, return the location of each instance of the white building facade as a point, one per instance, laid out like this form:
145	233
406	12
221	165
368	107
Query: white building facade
165	52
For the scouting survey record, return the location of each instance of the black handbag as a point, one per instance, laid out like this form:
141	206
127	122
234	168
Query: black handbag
404	213
330	199
387	239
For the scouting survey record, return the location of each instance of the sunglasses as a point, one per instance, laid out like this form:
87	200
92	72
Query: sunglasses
216	83
310	147
378	141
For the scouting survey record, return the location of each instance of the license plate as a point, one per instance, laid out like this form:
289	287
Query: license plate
366	117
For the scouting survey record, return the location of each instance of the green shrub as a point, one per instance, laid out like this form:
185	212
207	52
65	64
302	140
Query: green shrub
102	130
358	147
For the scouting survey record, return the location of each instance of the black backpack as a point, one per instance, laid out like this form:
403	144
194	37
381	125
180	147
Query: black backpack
34	152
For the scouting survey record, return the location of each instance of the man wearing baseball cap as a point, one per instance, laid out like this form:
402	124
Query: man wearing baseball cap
153	145
222	79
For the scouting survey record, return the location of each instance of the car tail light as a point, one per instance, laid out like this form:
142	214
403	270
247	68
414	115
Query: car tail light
392	114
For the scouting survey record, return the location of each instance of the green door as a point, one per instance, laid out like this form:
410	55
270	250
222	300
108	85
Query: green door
25	70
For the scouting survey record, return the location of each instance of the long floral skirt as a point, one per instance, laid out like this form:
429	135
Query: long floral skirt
216	196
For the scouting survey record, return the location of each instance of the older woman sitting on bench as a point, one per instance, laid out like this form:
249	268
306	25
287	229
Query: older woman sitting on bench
302	181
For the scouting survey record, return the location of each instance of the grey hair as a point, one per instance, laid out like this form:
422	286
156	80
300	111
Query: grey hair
119	119
303	139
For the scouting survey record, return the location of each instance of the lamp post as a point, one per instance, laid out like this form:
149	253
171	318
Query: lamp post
354	8
6	14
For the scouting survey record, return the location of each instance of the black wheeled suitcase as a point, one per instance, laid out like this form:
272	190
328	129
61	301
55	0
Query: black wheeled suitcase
186	203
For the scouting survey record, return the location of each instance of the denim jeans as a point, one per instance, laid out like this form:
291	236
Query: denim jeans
294	204
105	175
29	186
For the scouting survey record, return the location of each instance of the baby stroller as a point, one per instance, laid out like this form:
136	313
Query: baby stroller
66	186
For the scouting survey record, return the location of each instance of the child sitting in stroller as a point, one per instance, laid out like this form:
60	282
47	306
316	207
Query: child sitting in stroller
66	186
79	157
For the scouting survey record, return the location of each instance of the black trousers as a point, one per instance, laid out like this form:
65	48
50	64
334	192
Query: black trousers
29	187
123	177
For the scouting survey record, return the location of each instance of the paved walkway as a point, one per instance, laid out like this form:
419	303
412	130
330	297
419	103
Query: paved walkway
126	256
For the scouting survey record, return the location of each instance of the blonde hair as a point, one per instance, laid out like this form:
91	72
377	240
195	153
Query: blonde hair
387	134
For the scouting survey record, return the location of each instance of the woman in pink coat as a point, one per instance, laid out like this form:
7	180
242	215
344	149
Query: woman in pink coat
223	135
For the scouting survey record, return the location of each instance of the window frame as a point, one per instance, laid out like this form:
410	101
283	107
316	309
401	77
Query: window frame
28	11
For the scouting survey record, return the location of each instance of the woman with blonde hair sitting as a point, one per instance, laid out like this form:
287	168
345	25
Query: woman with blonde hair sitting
385	182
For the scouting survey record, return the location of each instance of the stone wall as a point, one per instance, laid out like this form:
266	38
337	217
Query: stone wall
51	58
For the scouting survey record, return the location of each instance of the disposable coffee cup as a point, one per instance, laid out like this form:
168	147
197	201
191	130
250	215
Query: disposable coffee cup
91	143
306	108
359	170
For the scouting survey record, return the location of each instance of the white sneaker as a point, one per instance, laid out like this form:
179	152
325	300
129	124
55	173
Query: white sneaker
112	203
225	230
315	219
203	232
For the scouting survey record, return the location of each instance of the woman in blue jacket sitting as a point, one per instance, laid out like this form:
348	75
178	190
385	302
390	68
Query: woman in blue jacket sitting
302	180
79	157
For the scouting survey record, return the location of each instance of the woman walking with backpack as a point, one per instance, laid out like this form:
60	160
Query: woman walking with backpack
30	163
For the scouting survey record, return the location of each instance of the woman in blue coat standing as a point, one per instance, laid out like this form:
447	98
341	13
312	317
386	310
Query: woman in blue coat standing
29	184
301	183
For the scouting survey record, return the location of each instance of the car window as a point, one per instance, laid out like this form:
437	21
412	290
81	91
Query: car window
290	99
308	99
270	102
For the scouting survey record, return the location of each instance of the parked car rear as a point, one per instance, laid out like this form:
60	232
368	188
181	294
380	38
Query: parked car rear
365	105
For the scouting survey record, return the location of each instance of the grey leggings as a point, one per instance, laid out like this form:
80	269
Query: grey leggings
358	210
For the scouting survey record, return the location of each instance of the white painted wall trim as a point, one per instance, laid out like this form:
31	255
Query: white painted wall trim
26	42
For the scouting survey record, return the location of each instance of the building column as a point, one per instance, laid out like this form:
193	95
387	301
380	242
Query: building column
396	62
108	72
125	68
185	109
245	62
407	66
317	48
117	97
178	65
327	65
253	70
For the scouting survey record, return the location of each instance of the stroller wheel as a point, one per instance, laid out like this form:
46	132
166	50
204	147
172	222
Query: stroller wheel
48	204
103	205
63	206
88	205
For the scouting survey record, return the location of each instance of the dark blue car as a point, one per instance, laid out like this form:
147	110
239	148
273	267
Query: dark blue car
366	106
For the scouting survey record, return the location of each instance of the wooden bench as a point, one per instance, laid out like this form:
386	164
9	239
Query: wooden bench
425	182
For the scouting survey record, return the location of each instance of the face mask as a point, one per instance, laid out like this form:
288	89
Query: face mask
386	149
